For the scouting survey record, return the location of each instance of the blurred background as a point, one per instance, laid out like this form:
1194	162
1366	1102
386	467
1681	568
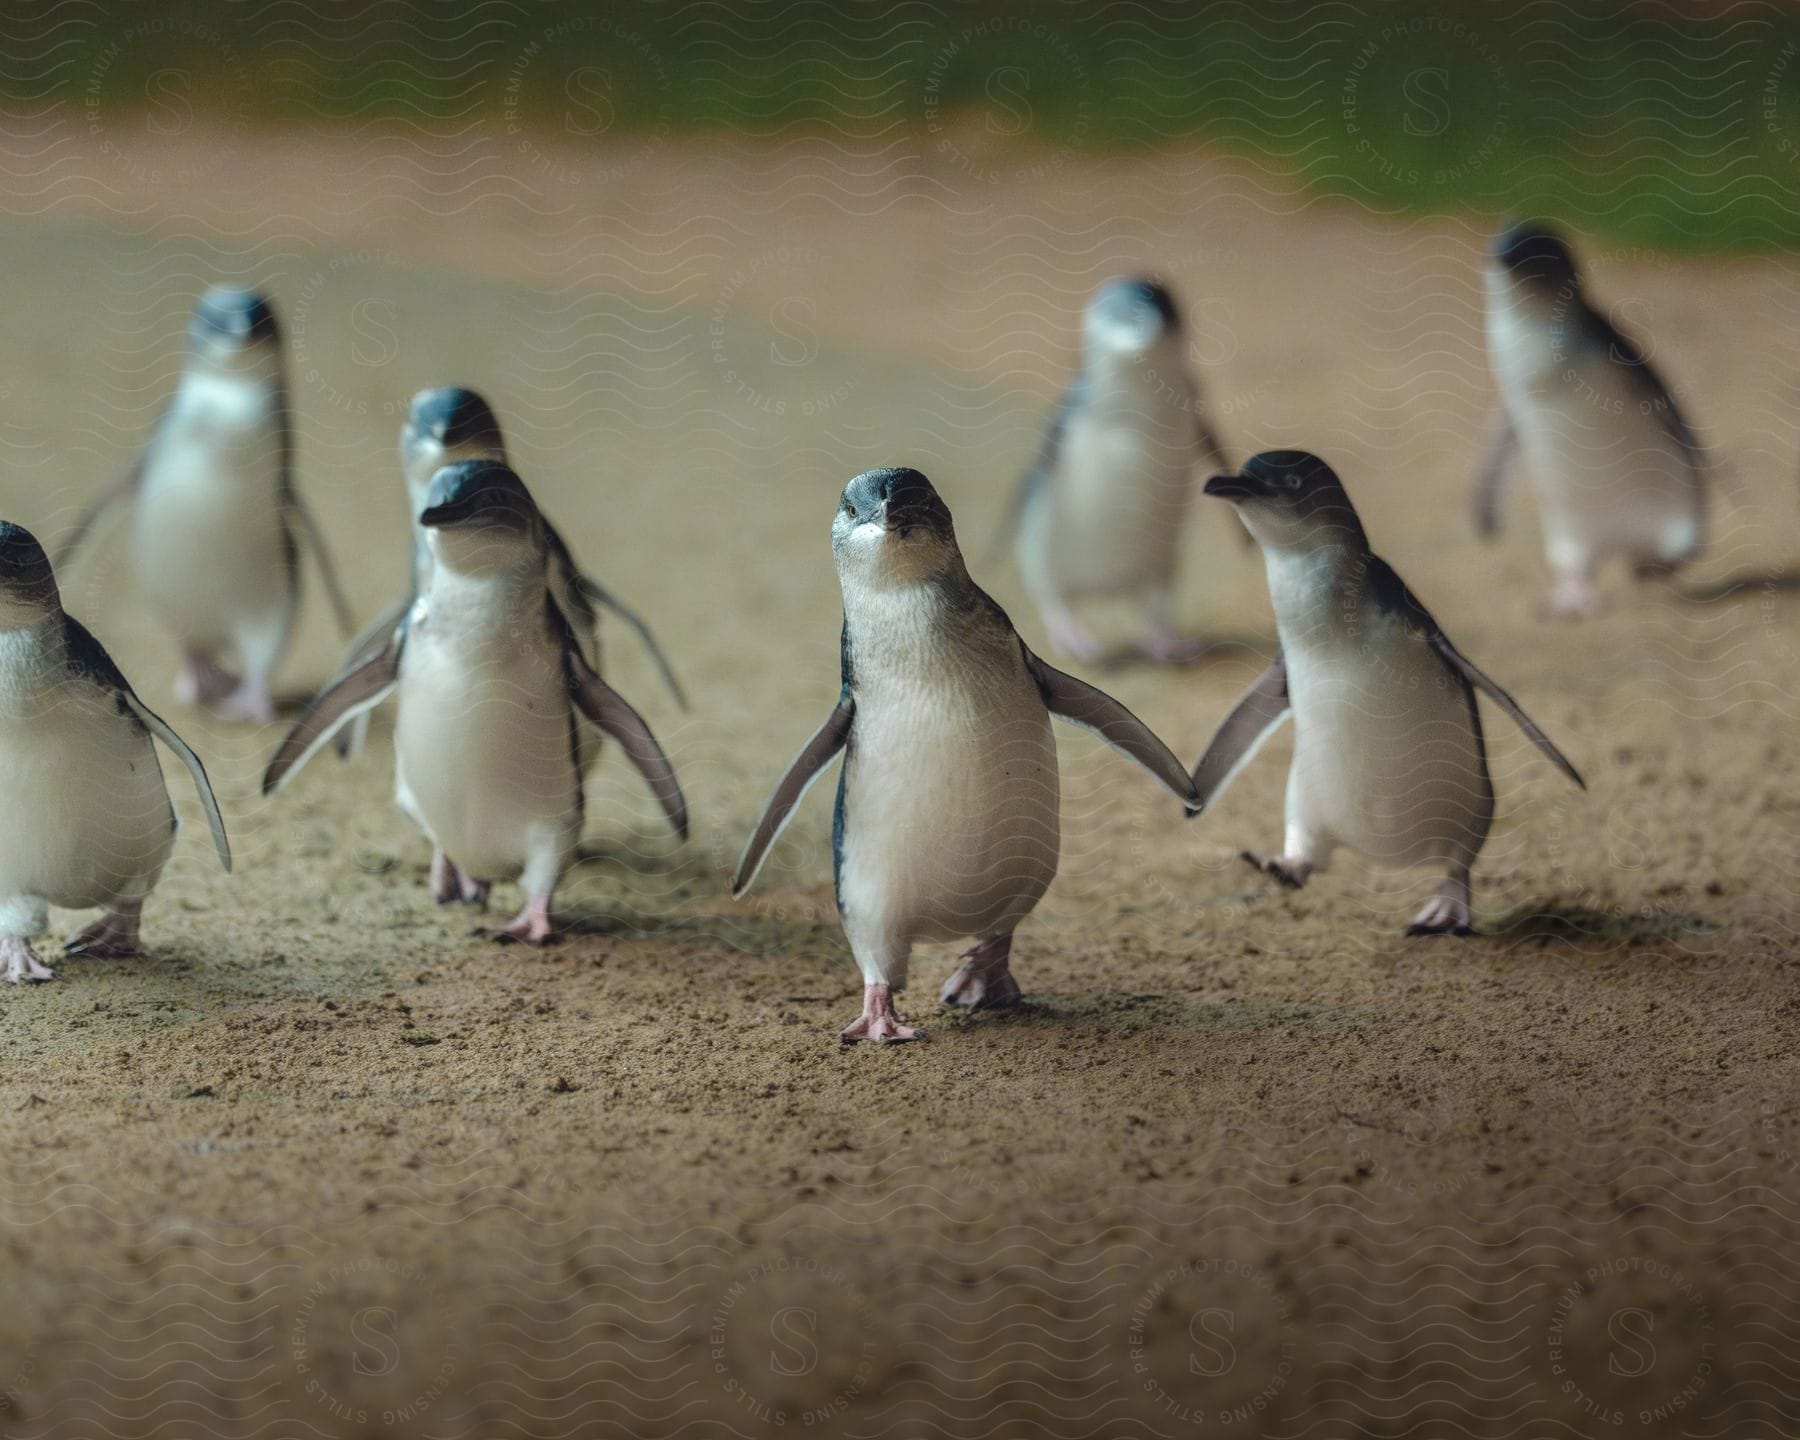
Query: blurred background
327	1153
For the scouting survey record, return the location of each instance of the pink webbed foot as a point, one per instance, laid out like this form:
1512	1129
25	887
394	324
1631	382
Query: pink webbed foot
19	962
984	981
1447	912
1291	873
444	888
202	681
879	1022
531	926
450	882
113	935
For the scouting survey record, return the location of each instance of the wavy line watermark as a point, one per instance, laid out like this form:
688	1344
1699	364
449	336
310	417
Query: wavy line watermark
1646	1364
1210	1344
792	1341
1421	65
341	1349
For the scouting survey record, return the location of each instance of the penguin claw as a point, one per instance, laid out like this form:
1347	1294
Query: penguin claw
19	962
1442	916
531	926
113	936
984	980
982	990
1293	877
880	1023
451	883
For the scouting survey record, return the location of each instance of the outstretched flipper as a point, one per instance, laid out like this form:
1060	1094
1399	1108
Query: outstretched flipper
832	736
608	709
90	657
1251	722
1081	704
353	693
122	489
370	642
1393	591
1499	459
598	594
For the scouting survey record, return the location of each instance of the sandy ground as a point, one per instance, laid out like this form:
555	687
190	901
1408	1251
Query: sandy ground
326	1161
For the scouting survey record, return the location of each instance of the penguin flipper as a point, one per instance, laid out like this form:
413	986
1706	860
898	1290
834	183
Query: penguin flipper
121	489
209	802
1251	721
353	693
1080	704
351	737
1465	669
1498	462
830	738
609	710
90	658
315	542
598	594
1391	593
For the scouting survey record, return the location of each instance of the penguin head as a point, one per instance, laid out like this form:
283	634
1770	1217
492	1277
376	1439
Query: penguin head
1535	257
1292	500
230	322
445	425
892	527
1129	316
27	584
481	517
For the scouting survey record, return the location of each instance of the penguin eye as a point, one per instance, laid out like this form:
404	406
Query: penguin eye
850	509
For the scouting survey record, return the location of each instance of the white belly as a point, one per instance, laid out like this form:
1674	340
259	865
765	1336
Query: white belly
88	819
1386	758
208	542
951	809
1608	476
482	750
1110	515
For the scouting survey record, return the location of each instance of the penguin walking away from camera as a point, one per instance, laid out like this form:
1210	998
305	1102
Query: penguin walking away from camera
1616	466
216	522
489	744
446	425
947	820
88	821
1388	751
1099	512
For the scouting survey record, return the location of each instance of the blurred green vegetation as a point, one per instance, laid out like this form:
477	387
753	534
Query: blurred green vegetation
1647	123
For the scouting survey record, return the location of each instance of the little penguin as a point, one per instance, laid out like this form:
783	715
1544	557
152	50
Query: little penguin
1388	752
1099	511
1617	468
88	821
216	520
489	744
948	812
444	425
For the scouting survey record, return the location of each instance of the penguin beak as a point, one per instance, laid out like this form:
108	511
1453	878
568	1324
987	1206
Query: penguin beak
451	512
1229	487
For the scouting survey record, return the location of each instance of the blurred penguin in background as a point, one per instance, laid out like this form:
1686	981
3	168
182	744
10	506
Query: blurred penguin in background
1099	513
1617	468
216	523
